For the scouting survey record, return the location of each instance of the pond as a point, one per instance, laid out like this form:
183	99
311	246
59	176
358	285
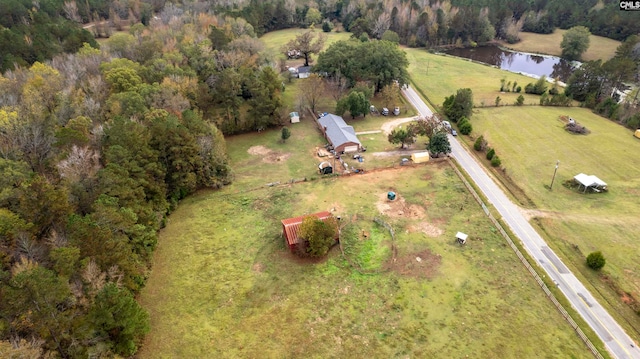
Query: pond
538	65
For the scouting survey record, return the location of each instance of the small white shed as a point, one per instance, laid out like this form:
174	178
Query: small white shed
461	238
295	117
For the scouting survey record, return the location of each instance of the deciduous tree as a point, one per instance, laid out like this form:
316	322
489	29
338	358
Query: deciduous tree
439	144
356	103
319	234
390	95
311	91
459	105
403	136
575	42
308	43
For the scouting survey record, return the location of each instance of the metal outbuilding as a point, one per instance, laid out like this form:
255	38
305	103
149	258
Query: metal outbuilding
420	157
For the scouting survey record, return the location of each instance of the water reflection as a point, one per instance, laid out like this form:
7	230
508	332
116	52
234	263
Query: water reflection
550	66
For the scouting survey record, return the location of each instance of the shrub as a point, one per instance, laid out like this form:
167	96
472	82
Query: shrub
608	108
285	134
519	89
465	126
480	144
490	153
528	88
326	26
495	161
544	99
596	260
538	88
520	100
556	100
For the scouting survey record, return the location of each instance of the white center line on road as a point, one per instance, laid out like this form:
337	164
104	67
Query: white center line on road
616	340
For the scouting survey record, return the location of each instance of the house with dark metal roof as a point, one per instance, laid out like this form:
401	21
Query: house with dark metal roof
340	135
291	228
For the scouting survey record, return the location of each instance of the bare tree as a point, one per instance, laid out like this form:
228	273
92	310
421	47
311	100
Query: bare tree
311	90
82	162
70	9
338	86
381	24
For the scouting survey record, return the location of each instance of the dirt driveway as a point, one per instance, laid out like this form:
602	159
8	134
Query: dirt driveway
387	127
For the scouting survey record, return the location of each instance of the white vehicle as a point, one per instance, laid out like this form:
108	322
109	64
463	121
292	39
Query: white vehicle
396	111
447	125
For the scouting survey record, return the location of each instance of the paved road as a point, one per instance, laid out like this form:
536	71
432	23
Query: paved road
619	344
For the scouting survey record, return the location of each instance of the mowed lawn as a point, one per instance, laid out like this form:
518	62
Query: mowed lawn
530	140
274	40
439	76
223	284
600	48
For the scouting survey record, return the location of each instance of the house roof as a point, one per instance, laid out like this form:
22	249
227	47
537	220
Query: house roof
338	132
589	180
304	69
292	226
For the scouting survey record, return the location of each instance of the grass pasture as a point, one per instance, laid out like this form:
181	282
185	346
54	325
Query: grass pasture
223	284
529	140
599	47
447	74
274	40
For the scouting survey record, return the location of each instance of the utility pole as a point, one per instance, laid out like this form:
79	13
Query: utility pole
554	175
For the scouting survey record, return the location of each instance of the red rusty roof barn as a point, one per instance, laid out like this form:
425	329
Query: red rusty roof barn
291	227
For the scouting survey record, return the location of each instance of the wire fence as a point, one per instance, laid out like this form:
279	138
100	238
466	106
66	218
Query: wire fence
531	270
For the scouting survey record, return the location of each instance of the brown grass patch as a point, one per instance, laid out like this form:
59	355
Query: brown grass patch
399	207
430	229
268	155
258	267
423	264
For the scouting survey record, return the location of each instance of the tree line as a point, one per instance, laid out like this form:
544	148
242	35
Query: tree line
96	149
27	30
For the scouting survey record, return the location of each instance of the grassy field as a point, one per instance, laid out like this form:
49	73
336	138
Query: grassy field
599	47
439	76
224	285
529	140
273	41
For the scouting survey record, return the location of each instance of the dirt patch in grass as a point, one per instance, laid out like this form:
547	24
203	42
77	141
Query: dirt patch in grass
258	267
430	229
259	151
398	207
268	155
423	264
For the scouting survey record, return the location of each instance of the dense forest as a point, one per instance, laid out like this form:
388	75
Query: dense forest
96	149
34	33
98	144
